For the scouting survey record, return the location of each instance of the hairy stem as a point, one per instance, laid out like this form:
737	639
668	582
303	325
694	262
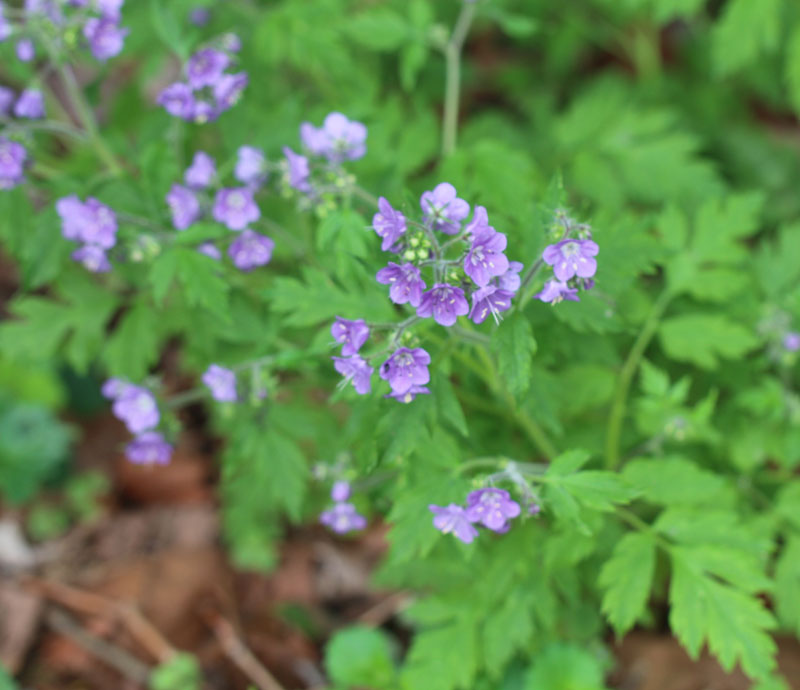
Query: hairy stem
629	368
452	91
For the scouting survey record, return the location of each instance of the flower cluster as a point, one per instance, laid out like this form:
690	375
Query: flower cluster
234	207
221	382
468	274
137	408
490	507
328	147
99	21
572	259
29	105
342	517
208	89
13	158
791	341
94	225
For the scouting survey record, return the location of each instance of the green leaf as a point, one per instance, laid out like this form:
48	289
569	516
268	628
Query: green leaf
443	658
562	666
6	681
181	672
626	578
133	347
514	345
379	28
568	462
745	31
360	656
673	481
733	624
793	68
507	630
448	405
703	338
787	585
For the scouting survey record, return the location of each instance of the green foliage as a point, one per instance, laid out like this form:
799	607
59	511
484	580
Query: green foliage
360	657
181	672
515	346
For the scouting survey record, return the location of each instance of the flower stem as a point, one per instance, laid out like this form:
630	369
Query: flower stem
629	368
452	92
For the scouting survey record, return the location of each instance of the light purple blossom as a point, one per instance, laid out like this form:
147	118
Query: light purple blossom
221	382
112	388
236	208
110	8
210	250
340	491
251	250
479	223
351	334
493	508
389	224
201	172
149	448
12	163
405	283
343	518
106	38
228	88
485	259
355	370
5	26
791	341
205	67
178	100
7	97
250	166
510	280
554	291
572	257
339	139
231	42
489	300
137	407
30	104
442	209
405	369
204	112
91	222
445	303
452	520
93	258
409	395
297	170
25	50
200	16
183	205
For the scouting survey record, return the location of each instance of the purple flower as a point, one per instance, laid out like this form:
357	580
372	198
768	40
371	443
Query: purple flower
444	302
7	97
228	89
26	50
346	139
409	395
489	300
106	38
210	250
236	208
791	341
351	334
442	209
112	388
205	67
485	259
183	205
47	8
493	508
137	407
91	222
342	518
110	8
355	369
572	257
250	166
389	224
479	223
93	258
30	104
452	520
297	169
251	250
149	448
178	100
221	382
5	26
405	369
313	138
554	291
203	112
510	280
200	16
12	163
340	491
231	42
201	172
406	284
